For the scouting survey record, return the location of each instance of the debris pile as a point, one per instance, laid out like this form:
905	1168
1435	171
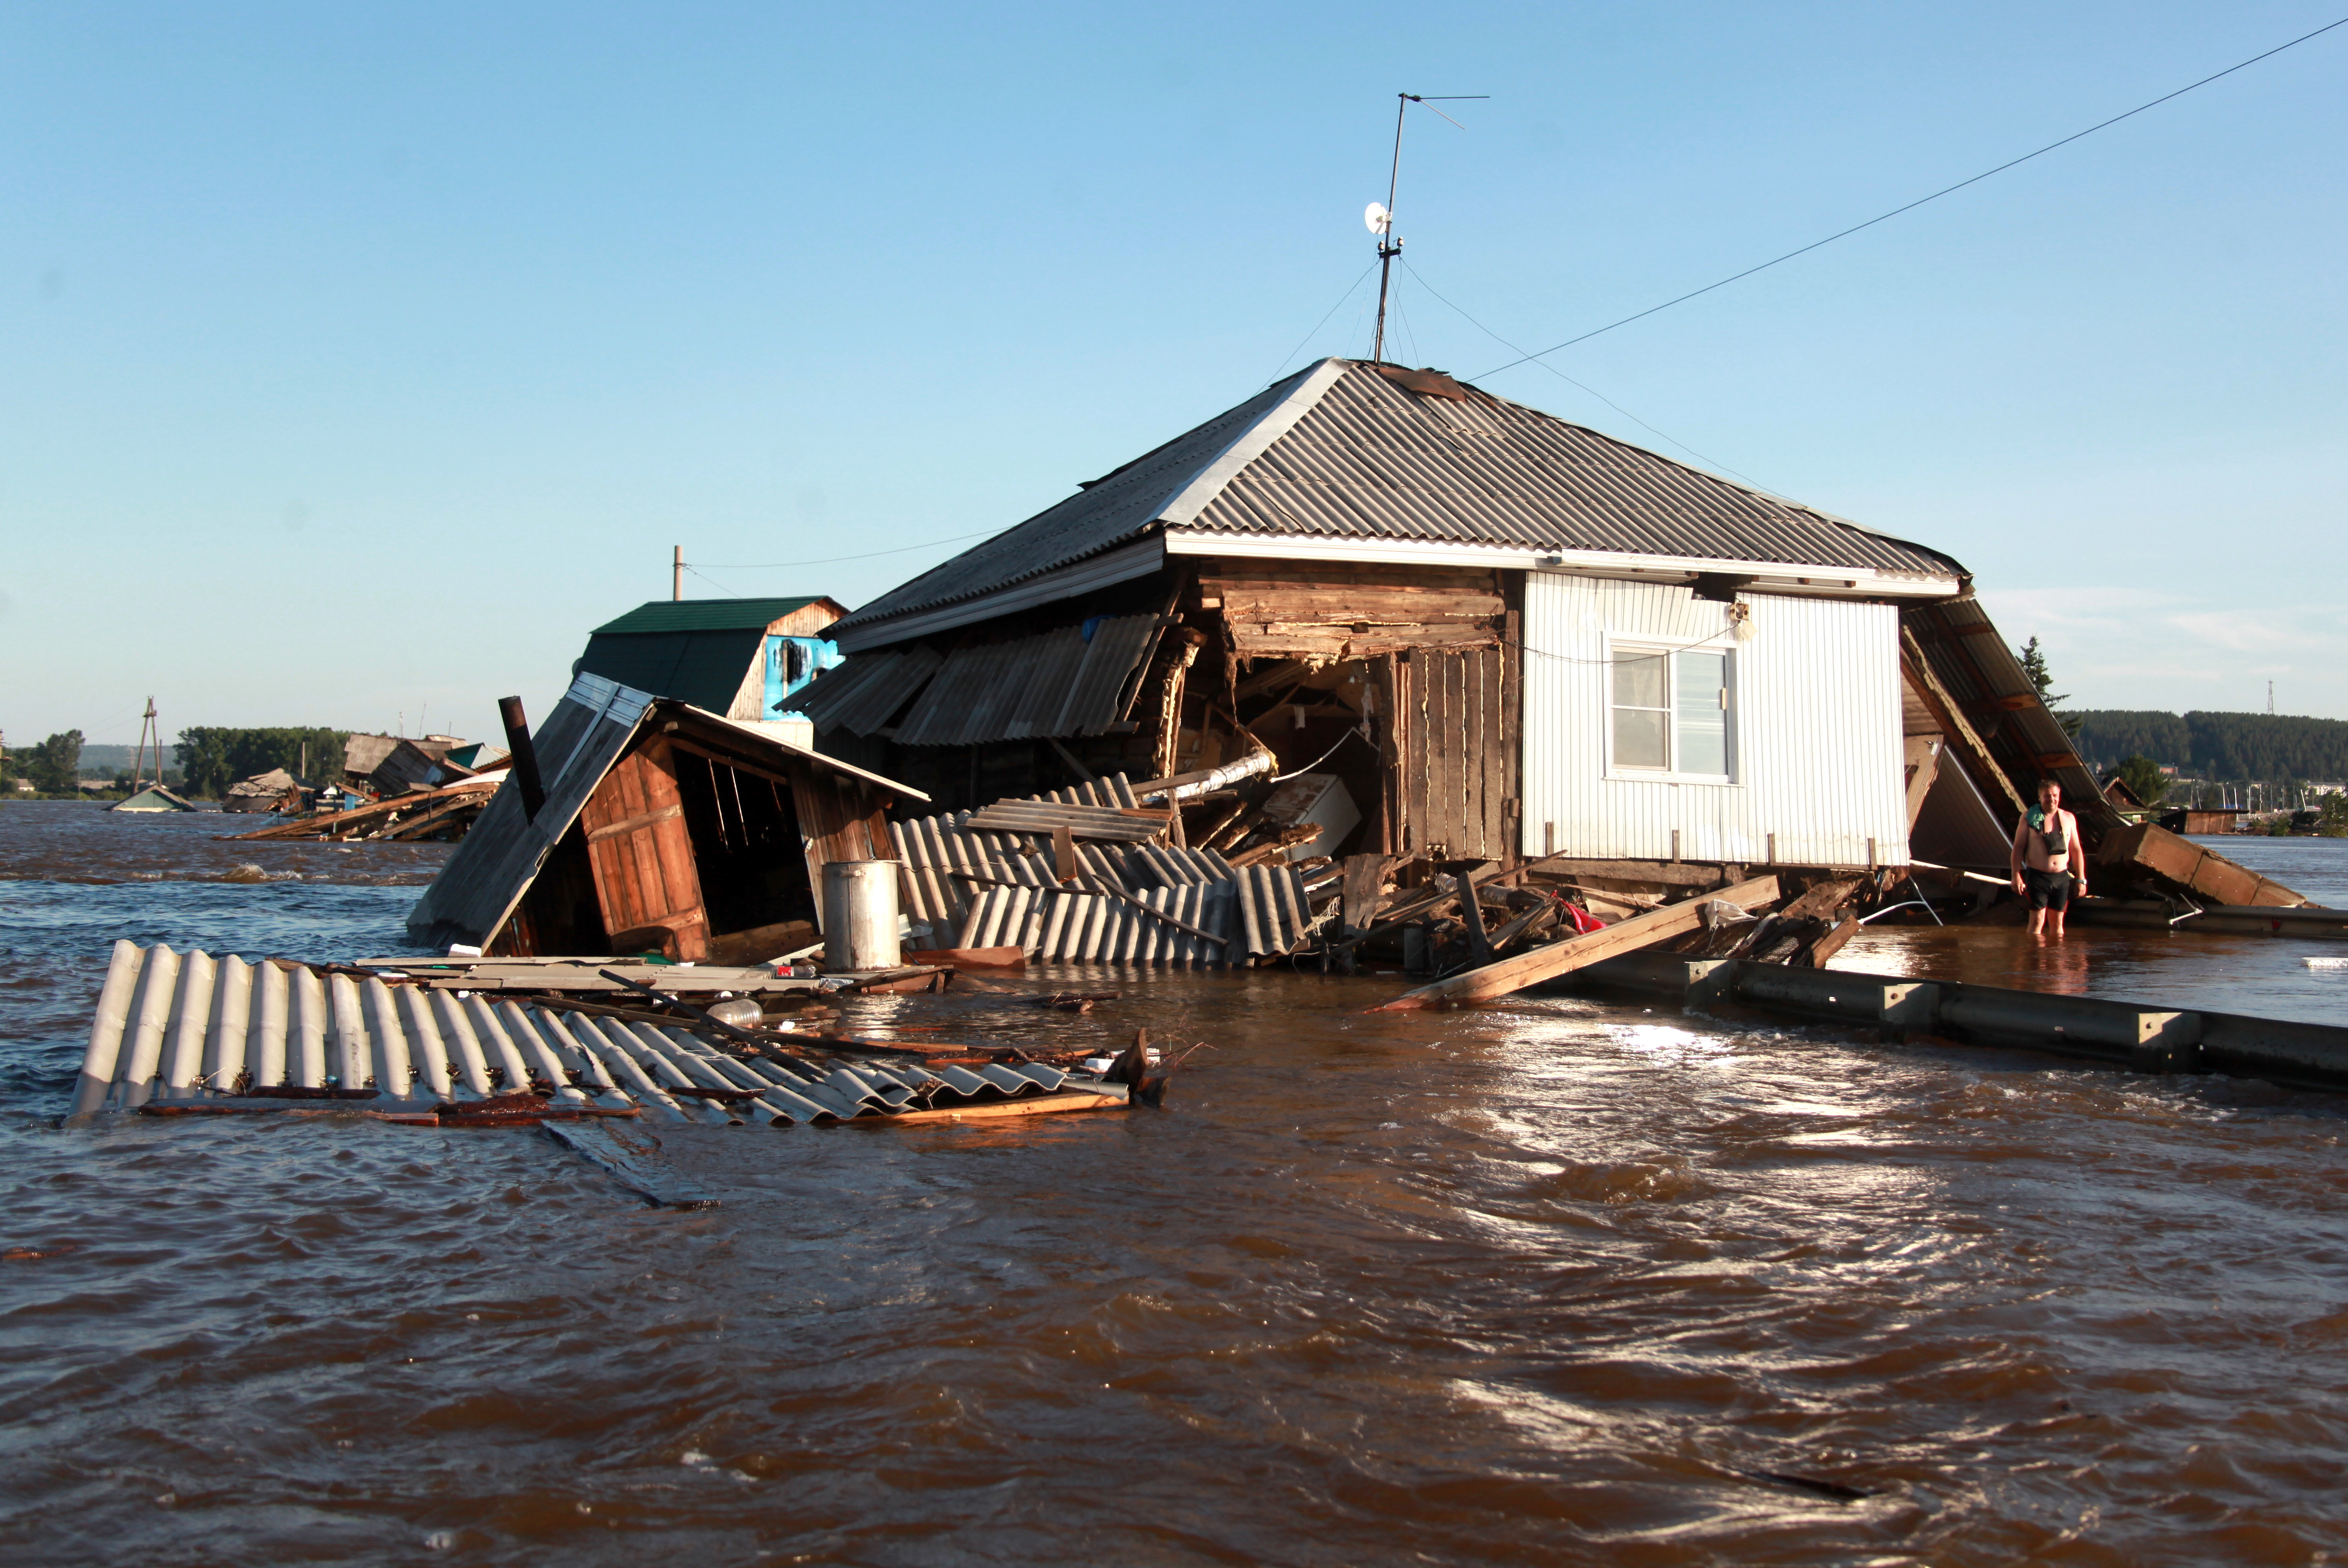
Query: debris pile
502	1044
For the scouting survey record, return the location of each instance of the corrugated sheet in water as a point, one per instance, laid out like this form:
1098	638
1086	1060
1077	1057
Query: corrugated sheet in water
186	1026
1259	910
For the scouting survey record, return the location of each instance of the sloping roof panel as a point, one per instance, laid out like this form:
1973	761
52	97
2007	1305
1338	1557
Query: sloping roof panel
1371	460
1341	452
865	693
704	667
1119	506
1053	684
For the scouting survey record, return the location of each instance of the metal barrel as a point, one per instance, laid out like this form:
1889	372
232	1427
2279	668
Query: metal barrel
860	915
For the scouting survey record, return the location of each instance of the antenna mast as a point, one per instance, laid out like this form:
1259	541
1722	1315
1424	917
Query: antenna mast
1389	244
1382	218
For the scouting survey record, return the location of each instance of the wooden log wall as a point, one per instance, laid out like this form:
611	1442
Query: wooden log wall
1347	610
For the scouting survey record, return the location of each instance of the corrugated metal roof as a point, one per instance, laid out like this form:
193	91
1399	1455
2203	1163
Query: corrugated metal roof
1053	684
1371	460
867	691
1340	451
706	614
1008	894
704	668
1118	506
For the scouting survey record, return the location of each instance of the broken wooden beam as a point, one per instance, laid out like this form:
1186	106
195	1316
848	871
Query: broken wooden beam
1563	958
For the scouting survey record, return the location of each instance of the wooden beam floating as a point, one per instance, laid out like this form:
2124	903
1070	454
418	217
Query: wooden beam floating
1579	952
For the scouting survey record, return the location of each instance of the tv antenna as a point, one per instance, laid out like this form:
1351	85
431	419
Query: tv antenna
1379	215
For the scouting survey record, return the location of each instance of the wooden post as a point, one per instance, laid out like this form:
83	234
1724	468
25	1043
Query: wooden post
1471	910
676	572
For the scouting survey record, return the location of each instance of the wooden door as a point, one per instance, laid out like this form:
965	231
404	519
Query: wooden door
641	854
1453	750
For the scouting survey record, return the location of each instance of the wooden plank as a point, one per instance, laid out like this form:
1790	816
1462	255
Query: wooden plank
1923	767
1037	1105
1563	958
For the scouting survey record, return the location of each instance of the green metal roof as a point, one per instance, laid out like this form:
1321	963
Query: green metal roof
705	615
704	668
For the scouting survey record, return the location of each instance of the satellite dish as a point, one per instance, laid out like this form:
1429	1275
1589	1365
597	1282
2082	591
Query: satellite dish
1376	218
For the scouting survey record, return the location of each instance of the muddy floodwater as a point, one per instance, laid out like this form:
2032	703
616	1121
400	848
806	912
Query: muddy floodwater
1557	1282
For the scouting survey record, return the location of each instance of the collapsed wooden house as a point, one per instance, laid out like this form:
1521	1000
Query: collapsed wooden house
658	826
1502	636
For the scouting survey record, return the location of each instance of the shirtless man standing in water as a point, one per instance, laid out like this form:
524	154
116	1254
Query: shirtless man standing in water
2045	843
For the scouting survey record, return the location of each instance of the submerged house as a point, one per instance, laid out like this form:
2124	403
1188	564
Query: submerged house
633	823
1503	635
746	659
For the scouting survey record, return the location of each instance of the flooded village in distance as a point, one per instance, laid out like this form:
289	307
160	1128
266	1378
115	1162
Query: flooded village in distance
1397	976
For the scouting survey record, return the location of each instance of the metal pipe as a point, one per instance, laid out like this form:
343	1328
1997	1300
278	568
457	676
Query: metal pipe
525	757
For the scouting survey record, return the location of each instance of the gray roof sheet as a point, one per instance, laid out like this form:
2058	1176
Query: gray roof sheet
1371	460
1356	457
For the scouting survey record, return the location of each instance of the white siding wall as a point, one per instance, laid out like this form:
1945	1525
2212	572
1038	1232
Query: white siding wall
1815	742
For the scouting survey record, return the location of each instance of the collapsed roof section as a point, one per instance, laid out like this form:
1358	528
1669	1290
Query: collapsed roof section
645	860
1349	461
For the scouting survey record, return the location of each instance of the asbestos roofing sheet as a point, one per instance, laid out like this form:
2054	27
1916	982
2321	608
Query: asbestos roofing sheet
1119	506
174	1027
864	694
1371	460
1340	451
1053	683
1094	699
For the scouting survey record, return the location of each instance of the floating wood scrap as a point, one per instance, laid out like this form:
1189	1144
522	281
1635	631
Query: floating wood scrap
1508	974
420	814
179	1034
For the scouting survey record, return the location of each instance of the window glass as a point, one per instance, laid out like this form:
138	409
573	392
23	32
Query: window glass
1642	709
1638	678
1701	701
1639	737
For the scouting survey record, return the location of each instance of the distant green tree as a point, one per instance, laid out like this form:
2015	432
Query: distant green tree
55	764
212	758
2144	775
2332	816
2034	665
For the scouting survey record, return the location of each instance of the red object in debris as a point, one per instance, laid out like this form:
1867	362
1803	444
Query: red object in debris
1583	920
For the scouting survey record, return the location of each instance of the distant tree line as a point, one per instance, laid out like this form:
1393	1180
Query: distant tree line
2217	745
53	767
212	758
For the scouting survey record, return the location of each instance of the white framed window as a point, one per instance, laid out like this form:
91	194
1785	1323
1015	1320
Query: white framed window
1668	712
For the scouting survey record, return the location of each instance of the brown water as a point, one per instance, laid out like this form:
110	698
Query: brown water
1557	1282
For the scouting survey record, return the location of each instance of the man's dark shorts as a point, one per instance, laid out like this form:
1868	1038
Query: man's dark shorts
2048	890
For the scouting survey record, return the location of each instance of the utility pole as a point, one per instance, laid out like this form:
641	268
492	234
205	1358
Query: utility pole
138	762
676	572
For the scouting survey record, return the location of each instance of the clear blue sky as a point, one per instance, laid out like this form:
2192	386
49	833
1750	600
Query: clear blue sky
359	359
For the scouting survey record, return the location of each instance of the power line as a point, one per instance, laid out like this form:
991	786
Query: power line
833	559
1324	318
1921	201
1594	391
